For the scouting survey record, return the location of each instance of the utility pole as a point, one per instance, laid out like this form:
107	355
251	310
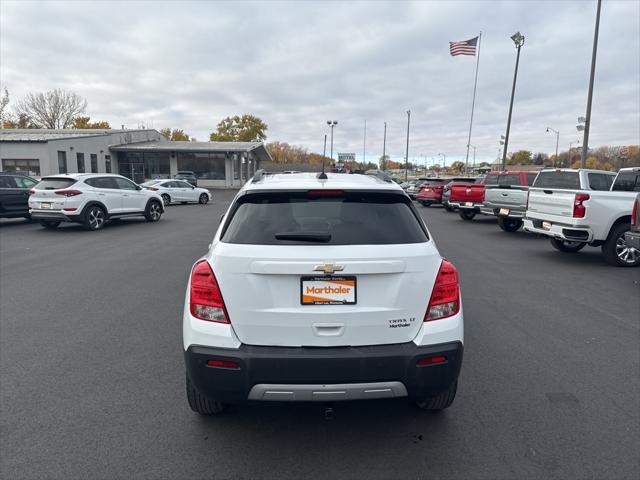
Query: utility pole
332	123
587	123
406	157
384	146
364	146
518	39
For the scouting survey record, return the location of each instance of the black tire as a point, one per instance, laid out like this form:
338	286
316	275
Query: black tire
204	199
441	401
153	212
447	207
166	199
466	214
94	218
201	404
49	224
425	204
567	246
616	251
509	224
27	216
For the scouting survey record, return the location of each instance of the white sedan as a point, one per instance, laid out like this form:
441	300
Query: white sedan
178	191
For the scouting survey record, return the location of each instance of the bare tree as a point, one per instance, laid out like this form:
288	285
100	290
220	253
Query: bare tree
4	101
53	109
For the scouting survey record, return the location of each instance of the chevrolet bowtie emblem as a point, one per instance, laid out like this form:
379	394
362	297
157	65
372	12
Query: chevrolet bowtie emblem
328	268
468	190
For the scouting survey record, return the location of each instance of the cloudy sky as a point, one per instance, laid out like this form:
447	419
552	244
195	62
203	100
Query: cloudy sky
298	64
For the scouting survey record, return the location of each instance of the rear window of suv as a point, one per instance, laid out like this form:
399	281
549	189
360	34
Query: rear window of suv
299	218
54	183
553	179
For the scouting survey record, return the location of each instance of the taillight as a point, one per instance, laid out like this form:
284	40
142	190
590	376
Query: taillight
205	300
326	193
579	210
228	364
635	214
153	189
527	207
31	192
68	193
439	359
445	298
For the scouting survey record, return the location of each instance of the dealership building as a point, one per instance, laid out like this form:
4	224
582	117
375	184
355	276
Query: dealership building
137	154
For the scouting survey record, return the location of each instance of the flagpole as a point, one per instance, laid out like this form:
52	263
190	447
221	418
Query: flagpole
473	104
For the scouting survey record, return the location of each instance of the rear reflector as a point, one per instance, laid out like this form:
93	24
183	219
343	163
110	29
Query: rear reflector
431	360
325	193
69	209
445	298
635	214
68	193
223	364
206	301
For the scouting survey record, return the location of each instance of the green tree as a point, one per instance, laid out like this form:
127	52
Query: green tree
540	158
457	166
176	135
247	128
85	122
522	157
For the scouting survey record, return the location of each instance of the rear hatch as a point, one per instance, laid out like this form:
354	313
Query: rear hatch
274	251
553	194
463	193
44	197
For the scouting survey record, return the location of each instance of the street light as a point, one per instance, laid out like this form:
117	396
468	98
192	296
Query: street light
332	123
557	139
444	159
518	40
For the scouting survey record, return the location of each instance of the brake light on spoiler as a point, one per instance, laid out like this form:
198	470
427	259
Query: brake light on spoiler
68	193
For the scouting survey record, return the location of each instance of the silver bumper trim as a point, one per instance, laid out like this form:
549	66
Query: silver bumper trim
326	393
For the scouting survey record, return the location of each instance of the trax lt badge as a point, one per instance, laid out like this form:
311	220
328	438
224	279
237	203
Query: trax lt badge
328	268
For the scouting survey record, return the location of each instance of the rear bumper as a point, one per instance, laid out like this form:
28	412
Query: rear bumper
513	212
54	216
632	239
323	374
429	198
559	230
476	207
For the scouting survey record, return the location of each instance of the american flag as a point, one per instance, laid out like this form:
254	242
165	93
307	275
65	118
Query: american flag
467	47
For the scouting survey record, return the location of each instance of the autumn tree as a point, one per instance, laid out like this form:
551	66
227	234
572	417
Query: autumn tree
85	122
53	109
521	157
18	121
384	162
175	135
245	128
457	166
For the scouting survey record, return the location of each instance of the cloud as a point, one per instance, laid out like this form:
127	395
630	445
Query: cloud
298	64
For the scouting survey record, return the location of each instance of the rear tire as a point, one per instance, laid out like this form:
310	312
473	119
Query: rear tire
441	401
153	212
567	246
166	199
204	199
425	204
616	251
201	404
509	224
466	214
94	218
48	224
448	207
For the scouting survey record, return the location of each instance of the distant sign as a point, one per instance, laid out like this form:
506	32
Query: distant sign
346	157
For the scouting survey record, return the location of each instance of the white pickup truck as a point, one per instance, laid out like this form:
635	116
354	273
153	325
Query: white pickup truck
583	207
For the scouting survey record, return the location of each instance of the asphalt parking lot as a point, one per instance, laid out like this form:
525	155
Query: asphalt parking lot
92	375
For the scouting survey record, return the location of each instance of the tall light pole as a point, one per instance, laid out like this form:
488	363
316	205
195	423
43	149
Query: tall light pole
474	154
406	157
518	39
444	159
332	123
549	129
587	123
384	146
576	143
364	145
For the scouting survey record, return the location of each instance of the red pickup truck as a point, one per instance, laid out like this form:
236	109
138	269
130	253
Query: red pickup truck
469	198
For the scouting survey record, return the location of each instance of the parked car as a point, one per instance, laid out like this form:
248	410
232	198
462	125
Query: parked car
14	195
91	199
178	191
632	237
508	199
467	198
575	208
188	176
414	187
446	191
322	290
430	192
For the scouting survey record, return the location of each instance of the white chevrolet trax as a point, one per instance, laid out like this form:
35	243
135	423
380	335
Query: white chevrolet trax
322	288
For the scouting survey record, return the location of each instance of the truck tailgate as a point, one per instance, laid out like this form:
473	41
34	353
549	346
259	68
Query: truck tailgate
558	203
506	197
467	193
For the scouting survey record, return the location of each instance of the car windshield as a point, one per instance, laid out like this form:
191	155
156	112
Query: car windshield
355	218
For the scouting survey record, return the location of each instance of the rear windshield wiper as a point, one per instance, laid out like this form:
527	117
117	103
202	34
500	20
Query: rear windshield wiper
304	236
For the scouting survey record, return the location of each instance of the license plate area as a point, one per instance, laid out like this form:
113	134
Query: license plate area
45	205
546	225
468	204
504	211
328	290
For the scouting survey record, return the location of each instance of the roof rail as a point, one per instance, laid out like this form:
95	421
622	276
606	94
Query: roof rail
259	175
382	176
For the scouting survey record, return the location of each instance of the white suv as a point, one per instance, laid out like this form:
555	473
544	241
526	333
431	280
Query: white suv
322	289
91	199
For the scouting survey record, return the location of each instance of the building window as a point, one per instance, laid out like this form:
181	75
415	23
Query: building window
30	166
107	163
62	162
94	163
80	158
207	166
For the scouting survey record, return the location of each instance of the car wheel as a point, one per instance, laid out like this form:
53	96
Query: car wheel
567	246
509	224
94	218
204	198
616	251
49	224
153	211
447	207
426	204
441	401
166	199
201	404
466	214
27	216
